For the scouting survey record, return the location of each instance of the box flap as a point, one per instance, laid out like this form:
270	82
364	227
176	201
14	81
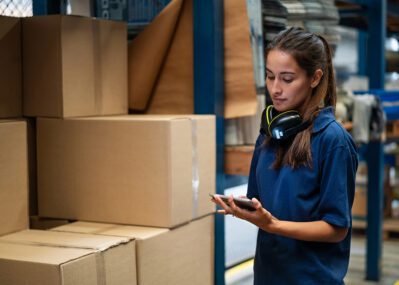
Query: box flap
136	232
65	239
40	254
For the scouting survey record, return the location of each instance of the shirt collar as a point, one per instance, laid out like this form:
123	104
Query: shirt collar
323	119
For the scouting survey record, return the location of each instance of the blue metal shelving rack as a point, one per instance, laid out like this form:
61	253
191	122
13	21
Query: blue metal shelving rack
209	97
371	46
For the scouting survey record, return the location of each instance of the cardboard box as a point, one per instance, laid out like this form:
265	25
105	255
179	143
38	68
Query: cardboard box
22	264
115	256
74	66
10	67
181	256
13	177
126	169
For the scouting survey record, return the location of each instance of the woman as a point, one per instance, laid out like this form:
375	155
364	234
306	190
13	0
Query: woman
302	176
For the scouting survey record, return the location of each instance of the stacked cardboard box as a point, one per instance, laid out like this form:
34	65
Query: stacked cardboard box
140	170
39	265
10	68
114	257
74	66
13	176
179	256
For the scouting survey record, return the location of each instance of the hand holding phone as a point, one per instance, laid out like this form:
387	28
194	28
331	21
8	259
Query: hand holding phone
242	203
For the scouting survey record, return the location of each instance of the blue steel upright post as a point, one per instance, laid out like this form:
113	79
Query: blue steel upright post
209	97
375	155
46	7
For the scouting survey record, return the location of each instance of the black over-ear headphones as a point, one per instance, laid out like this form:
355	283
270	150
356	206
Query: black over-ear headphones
281	126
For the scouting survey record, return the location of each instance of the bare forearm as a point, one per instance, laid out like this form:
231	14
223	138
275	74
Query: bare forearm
319	231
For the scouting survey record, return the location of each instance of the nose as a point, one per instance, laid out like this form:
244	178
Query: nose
275	87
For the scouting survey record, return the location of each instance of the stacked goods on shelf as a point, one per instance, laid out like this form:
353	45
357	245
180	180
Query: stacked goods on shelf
317	16
107	259
274	18
10	68
13	176
178	256
144	170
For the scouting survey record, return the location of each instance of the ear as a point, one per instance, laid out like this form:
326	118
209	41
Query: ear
318	74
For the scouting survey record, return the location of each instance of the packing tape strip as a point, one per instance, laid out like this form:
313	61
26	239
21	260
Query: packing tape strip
97	66
195	167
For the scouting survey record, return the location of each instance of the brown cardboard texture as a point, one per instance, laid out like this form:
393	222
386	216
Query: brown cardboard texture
22	264
118	169
239	81
13	176
74	66
116	255
203	133
10	67
180	256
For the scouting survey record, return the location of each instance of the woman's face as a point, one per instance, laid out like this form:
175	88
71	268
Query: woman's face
287	83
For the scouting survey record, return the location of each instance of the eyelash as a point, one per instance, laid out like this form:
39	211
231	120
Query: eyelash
285	80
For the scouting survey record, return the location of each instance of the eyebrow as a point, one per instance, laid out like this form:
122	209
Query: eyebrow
283	73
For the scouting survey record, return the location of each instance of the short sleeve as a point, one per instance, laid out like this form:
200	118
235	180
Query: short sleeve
337	186
252	191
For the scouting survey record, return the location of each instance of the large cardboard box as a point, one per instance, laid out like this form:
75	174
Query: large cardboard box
180	256
10	67
116	262
13	176
22	264
140	170
74	66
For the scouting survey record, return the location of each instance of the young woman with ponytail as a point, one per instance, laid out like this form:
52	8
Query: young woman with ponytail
301	182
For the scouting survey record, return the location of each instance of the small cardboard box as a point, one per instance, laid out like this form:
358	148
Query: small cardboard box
125	169
116	263
13	177
10	67
22	264
179	256
74	66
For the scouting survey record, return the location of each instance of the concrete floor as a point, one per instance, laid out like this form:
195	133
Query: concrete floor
242	274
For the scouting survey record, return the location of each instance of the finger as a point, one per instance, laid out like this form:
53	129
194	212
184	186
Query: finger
222	204
256	203
223	212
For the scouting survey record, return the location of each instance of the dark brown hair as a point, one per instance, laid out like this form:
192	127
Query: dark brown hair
311	52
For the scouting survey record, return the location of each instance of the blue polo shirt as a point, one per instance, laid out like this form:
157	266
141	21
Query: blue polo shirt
323	192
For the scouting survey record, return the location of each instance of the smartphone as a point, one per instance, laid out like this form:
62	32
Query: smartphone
243	203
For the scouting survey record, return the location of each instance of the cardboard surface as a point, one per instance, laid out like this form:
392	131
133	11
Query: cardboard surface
74	66
13	176
116	169
174	91
161	68
41	265
183	255
10	67
239	81
115	255
145	59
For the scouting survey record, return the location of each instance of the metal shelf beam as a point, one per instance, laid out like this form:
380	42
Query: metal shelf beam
209	97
